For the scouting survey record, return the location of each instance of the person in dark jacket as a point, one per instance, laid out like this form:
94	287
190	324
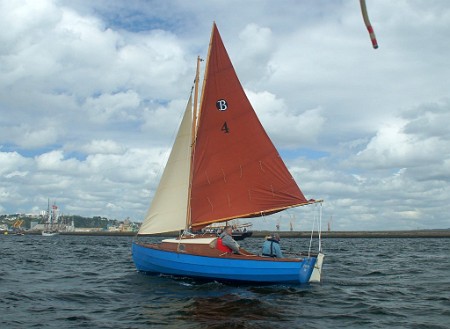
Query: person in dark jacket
227	239
271	246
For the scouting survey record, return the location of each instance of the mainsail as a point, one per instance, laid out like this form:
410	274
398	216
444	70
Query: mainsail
237	172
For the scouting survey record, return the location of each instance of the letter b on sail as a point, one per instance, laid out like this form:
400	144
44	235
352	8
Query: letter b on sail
222	105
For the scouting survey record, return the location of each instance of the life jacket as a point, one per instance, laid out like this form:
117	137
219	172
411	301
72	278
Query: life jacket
220	246
272	252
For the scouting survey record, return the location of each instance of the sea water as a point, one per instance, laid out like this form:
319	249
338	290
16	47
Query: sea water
91	282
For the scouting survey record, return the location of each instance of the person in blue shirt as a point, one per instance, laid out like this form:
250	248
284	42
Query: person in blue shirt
271	246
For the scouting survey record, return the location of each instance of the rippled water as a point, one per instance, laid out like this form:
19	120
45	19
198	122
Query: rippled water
90	282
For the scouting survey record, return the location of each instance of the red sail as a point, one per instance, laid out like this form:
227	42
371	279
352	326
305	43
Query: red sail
237	172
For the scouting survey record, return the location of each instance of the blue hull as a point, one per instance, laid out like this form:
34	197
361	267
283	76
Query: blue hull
152	260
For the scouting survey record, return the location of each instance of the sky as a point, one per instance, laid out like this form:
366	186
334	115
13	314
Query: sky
92	93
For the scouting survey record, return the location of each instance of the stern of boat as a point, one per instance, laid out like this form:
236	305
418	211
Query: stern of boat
306	269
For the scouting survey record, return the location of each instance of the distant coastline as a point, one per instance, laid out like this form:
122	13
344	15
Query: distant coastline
442	233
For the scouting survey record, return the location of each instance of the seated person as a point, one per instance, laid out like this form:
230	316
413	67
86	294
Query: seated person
228	241
271	246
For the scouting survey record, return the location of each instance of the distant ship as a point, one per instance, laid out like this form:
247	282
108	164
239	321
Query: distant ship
51	221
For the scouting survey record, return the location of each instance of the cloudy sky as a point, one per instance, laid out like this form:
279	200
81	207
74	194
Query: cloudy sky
92	93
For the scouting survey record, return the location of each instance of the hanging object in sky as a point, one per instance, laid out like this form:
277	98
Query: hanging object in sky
368	25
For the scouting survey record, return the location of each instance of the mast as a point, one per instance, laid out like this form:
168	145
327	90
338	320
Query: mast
48	221
195	121
193	137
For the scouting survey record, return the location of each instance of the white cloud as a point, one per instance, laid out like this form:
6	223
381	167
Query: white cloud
116	107
32	136
55	161
303	128
102	147
414	141
10	162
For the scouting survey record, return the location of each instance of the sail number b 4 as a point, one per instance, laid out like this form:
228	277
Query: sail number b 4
222	105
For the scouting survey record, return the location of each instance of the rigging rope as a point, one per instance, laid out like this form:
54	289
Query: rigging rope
319	229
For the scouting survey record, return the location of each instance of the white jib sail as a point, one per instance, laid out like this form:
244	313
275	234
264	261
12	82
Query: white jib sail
169	206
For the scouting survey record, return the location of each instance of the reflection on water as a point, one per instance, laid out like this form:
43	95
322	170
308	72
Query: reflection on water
230	311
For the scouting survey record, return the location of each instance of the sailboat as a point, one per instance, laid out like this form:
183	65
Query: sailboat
51	225
222	166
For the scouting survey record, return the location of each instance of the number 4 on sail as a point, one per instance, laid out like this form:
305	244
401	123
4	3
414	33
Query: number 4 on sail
222	166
